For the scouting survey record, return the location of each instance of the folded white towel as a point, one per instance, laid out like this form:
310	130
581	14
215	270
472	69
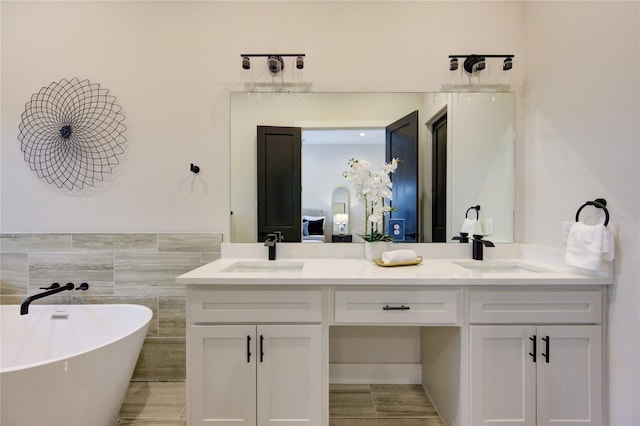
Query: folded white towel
469	226
607	244
395	256
586	245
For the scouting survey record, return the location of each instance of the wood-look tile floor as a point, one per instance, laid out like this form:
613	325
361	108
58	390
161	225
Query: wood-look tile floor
381	405
164	404
154	404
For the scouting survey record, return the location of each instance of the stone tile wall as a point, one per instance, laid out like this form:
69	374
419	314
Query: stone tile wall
120	268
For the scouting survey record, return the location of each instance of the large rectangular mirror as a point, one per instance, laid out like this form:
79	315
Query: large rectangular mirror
465	144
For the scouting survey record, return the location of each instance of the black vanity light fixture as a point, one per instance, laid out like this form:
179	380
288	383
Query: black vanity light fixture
275	61
475	63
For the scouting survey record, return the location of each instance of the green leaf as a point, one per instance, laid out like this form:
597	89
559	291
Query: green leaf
374	236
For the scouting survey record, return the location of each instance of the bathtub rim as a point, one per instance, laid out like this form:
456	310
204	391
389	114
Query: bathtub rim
144	323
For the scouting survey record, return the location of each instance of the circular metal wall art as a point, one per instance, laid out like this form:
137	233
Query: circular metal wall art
72	133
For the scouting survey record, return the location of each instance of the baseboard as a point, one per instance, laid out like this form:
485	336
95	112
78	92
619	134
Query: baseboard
375	373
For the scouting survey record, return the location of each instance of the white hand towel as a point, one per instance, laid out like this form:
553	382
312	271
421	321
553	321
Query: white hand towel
607	244
469	226
586	244
396	256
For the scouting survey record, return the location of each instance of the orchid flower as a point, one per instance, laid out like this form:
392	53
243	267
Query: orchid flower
373	189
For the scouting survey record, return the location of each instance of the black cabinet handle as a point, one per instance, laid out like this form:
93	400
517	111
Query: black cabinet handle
396	308
248	349
261	348
534	339
546	355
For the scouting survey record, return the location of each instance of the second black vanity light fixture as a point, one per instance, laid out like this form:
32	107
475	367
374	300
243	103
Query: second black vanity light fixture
475	63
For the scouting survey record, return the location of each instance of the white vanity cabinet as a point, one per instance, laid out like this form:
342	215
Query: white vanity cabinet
536	357
254	357
495	347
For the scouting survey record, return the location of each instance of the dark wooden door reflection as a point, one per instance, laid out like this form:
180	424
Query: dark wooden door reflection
279	182
402	143
439	177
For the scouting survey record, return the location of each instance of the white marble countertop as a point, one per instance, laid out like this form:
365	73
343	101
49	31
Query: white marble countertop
358	271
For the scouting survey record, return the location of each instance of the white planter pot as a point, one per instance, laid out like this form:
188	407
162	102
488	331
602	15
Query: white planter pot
374	250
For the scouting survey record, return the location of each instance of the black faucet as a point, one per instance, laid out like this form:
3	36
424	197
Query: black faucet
271	241
478	244
463	238
52	289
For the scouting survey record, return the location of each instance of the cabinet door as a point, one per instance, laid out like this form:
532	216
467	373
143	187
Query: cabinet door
502	375
289	375
570	375
222	375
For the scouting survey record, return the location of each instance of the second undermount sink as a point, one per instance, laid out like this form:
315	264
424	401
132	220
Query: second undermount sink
486	266
265	266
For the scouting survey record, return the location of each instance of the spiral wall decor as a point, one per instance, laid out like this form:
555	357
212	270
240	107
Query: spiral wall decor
72	133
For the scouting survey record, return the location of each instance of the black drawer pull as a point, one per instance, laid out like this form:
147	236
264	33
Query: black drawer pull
396	308
248	349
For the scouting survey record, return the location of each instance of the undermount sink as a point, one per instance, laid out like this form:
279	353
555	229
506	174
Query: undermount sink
264	266
498	267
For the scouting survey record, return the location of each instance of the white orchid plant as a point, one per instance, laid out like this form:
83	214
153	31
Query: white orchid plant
373	190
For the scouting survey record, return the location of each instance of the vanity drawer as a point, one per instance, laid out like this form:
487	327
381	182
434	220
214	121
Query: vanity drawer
486	306
251	306
397	307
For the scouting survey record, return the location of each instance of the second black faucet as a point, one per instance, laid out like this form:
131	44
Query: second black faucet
271	241
478	245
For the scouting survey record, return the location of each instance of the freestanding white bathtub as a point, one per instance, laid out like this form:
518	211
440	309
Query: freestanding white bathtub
68	371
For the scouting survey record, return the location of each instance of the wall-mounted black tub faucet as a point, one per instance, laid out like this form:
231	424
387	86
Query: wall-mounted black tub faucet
52	289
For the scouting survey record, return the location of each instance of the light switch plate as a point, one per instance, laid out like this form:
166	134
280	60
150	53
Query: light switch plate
488	227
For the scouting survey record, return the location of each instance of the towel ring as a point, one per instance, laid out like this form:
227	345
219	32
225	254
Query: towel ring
600	203
476	208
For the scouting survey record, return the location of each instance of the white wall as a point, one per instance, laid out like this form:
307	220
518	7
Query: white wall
171	65
582	141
